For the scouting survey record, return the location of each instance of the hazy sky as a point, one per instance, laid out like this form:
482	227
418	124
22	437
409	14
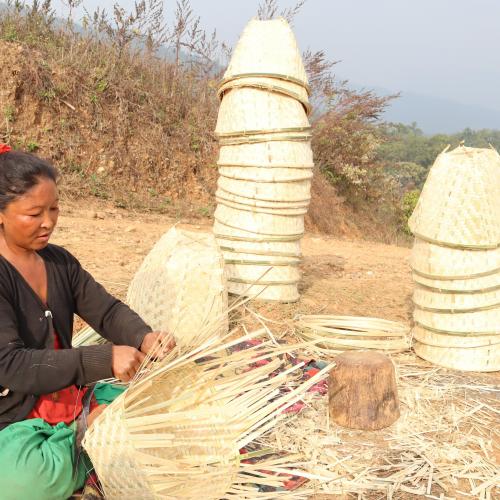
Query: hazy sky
442	48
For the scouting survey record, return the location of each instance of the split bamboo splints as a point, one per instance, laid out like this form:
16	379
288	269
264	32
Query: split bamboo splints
265	163
456	261
178	430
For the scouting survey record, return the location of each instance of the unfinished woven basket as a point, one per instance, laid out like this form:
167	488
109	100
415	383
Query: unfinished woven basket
460	201
426	298
482	284
181	286
437	261
275	154
267	49
480	322
248	111
272	293
178	430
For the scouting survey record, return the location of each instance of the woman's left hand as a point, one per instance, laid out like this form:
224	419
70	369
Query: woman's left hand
157	344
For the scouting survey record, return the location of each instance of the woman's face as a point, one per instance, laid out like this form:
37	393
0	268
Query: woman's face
29	220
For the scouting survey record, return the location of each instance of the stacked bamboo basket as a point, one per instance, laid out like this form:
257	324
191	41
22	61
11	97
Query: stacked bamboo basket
265	163
456	261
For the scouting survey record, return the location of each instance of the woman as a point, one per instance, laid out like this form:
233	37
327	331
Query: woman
42	377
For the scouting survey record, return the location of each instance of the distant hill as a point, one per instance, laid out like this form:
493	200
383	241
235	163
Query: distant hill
434	114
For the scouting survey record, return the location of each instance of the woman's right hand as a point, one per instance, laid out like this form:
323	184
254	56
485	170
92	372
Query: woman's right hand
125	362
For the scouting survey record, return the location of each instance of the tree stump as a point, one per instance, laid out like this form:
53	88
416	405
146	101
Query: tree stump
362	391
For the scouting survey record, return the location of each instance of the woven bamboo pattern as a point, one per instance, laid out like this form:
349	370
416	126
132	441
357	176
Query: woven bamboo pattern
231	232
262	210
278	154
242	200
429	299
486	283
460	201
265	174
266	249
259	291
440	261
264	274
181	285
450	339
332	334
177	431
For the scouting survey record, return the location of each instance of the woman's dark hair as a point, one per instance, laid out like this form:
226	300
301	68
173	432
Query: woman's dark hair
19	172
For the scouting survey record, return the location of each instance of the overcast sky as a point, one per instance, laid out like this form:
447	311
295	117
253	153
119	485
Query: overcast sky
442	48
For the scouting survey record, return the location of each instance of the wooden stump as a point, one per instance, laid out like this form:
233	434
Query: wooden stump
362	391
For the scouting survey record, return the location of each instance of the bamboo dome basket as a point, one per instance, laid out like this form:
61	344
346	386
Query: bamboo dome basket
484	321
428	299
278	225
487	283
248	112
438	261
288	211
178	430
276	191
225	195
265	174
483	359
258	291
460	201
274	154
267	49
181	285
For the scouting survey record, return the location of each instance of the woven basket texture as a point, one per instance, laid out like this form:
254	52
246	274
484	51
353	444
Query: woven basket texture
232	257
460	201
269	84
275	154
176	433
225	231
279	225
490	282
480	359
262	248
429	299
439	261
434	339
242	200
277	191
267	48
181	285
262	210
263	274
273	293
248	111
265	174
474	323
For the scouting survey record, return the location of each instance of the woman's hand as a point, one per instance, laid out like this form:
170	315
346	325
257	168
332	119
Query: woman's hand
125	362
157	344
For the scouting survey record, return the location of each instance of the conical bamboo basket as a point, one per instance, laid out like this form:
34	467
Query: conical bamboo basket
181	286
177	431
248	111
267	49
439	261
487	283
480	322
277	191
428	299
268	155
460	201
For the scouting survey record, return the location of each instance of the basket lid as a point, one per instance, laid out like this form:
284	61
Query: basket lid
267	49
460	201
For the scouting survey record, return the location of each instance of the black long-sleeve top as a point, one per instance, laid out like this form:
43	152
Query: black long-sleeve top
29	365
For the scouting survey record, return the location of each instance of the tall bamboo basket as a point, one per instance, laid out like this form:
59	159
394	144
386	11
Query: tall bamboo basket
178	430
181	286
265	163
486	283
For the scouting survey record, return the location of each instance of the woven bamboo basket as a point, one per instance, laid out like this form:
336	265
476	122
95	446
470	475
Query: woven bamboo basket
248	111
273	293
263	274
332	334
222	230
269	84
267	249
267	49
439	261
479	322
278	225
221	193
239	257
265	174
178	430
289	211
428	299
181	286
482	284
449	339
460	201
268	155
481	359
